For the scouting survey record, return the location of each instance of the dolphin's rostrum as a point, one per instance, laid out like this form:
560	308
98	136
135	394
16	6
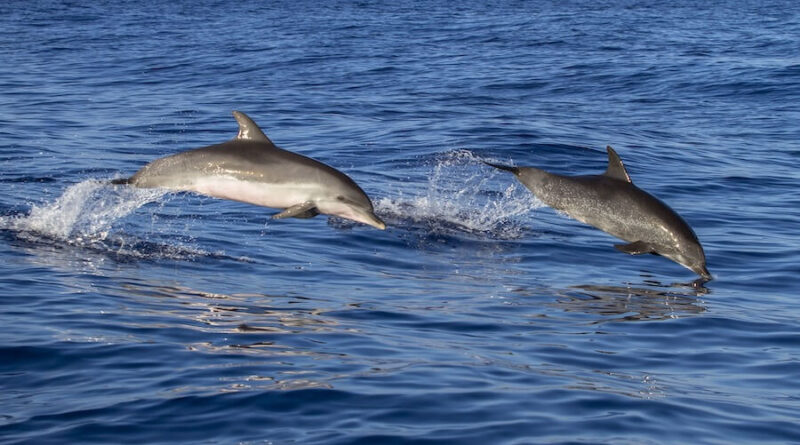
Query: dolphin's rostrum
614	205
251	169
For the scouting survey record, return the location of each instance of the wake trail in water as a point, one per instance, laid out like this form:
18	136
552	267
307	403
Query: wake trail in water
463	196
85	216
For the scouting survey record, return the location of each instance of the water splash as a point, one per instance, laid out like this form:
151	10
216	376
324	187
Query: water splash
463	196
85	212
85	216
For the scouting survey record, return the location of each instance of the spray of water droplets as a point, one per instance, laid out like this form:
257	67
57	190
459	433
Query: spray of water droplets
85	212
85	216
463	195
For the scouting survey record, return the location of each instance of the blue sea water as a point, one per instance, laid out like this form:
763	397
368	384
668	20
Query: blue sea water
479	316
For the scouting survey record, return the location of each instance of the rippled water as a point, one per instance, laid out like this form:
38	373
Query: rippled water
479	316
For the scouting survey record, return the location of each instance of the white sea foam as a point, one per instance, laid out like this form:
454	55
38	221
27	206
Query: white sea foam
86	216
464	195
85	211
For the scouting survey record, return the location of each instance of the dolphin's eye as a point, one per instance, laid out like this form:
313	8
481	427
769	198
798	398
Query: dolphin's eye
340	198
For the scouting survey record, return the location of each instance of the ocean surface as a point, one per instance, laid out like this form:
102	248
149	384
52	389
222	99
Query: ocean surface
480	316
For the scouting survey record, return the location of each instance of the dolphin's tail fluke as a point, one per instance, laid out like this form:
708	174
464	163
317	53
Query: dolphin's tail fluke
507	168
121	181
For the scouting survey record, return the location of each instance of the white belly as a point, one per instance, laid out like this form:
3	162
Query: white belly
264	194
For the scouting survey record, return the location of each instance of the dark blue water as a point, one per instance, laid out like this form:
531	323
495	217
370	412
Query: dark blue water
479	316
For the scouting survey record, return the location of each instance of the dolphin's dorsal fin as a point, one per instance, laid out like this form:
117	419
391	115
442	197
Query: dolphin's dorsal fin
248	130
615	168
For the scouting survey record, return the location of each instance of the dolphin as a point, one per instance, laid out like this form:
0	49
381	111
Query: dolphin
611	203
251	169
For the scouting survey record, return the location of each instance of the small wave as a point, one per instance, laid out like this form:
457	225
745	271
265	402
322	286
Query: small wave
462	196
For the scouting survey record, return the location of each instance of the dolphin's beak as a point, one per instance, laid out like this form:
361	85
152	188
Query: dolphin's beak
703	272
362	215
374	221
354	211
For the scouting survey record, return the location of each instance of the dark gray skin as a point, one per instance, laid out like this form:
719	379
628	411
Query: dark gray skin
251	169
611	203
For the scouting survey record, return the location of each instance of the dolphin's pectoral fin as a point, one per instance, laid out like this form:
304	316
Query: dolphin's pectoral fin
636	248
310	213
305	210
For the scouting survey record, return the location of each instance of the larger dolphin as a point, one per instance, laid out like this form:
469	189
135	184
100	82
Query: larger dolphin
251	169
614	205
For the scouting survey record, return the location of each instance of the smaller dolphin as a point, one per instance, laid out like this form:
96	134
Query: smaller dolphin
611	203
250	168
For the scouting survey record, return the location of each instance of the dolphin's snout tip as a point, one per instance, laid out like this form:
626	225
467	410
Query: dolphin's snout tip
376	222
379	224
368	217
704	273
